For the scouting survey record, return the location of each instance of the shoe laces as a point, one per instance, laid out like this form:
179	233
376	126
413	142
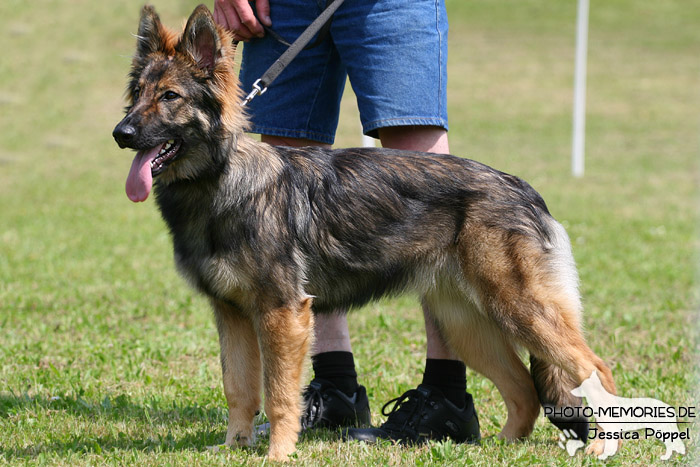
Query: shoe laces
406	408
313	406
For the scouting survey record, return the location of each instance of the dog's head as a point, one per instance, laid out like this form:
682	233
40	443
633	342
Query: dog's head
183	100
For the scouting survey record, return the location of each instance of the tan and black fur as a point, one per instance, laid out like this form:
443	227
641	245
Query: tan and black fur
274	234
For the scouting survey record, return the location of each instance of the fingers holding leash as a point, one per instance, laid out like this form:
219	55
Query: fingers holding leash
237	16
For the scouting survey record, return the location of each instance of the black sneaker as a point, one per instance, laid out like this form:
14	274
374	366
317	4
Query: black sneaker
420	415
325	406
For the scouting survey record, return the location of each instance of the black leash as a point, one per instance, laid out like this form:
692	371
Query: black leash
322	22
325	29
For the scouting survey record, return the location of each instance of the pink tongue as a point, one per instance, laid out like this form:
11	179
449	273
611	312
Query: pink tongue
140	179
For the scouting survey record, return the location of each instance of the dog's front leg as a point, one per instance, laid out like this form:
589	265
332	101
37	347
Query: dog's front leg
240	364
285	335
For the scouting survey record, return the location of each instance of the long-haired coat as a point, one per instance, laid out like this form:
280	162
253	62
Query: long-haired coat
272	235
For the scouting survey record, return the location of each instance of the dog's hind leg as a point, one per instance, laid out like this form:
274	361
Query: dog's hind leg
529	290
285	336
240	364
481	345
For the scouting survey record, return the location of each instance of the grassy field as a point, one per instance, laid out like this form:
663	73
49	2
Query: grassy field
106	357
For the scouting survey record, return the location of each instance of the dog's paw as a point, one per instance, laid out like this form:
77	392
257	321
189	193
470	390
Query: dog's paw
602	449
280	453
240	440
239	435
235	442
596	448
568	440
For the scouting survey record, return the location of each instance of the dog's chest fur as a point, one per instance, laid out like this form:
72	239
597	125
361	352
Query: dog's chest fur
211	264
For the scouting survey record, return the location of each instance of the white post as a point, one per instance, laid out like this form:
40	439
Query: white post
579	137
368	141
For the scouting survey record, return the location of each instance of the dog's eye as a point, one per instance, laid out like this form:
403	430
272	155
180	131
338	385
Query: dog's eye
136	94
169	95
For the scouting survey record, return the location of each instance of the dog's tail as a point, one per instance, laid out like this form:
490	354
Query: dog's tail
554	387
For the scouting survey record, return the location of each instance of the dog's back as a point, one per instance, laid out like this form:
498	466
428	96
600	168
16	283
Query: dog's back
370	222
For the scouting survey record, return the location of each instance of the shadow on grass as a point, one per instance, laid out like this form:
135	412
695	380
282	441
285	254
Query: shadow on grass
161	415
101	444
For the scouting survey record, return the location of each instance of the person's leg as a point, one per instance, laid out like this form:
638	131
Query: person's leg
396	59
290	141
331	329
443	369
425	139
302	109
415	138
332	334
335	379
444	378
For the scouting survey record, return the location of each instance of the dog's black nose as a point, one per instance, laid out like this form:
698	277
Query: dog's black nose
124	134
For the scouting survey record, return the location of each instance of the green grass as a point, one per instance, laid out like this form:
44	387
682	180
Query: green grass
106	357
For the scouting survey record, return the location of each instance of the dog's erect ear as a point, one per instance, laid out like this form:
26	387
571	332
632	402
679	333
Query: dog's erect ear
150	36
201	39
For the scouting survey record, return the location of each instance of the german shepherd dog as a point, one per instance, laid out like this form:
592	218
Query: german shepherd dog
272	235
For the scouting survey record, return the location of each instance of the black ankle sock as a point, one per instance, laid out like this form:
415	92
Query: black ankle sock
338	368
449	376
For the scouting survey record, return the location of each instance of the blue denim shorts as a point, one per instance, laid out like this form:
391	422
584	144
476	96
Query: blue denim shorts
393	51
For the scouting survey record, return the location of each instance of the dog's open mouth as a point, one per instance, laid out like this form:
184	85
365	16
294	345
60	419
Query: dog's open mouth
147	164
168	152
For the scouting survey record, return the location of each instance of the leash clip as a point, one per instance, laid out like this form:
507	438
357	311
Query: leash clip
257	91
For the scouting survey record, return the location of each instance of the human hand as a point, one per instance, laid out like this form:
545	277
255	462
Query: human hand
237	16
